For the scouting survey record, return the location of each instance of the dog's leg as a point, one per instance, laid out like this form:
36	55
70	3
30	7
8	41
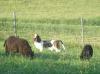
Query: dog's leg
62	44
51	49
40	47
41	50
56	49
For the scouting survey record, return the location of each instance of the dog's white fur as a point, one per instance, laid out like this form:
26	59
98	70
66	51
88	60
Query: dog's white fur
40	44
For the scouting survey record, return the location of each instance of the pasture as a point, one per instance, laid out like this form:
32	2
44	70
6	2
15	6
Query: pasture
51	19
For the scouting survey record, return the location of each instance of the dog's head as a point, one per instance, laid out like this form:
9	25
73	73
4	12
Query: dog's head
36	38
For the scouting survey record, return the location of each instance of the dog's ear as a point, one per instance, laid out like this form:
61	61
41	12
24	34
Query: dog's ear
35	35
38	38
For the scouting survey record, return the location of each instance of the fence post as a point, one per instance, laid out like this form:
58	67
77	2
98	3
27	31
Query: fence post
82	31
14	23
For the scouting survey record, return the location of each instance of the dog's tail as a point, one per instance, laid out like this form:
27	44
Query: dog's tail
62	44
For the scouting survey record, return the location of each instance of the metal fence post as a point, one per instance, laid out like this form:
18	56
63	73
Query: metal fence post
82	31
14	23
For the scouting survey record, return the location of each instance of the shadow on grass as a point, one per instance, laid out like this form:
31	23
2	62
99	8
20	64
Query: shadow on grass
46	55
55	56
50	64
23	66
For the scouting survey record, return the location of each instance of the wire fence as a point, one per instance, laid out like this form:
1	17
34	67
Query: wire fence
81	29
74	33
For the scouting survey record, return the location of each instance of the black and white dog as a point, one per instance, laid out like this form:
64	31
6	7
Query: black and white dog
51	44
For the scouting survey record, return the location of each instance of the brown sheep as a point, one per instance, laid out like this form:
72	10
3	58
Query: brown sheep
18	45
87	52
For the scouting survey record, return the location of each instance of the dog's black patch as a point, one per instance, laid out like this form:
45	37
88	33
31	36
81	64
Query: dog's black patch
47	43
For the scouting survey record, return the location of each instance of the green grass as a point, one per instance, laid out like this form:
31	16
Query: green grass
50	9
51	19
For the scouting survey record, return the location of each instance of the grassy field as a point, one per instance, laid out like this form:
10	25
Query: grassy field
51	19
